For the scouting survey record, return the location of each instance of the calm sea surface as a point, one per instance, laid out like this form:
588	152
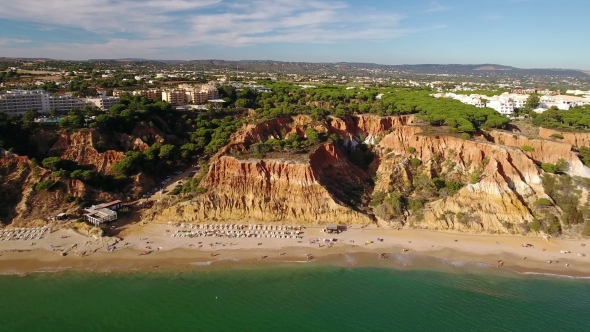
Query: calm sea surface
293	298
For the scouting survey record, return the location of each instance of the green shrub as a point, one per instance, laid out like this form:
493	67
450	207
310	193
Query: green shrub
584	154
377	198
562	166
411	149
465	136
536	225
543	202
60	174
415	205
453	187
415	162
486	160
476	175
527	148
557	135
44	185
549	168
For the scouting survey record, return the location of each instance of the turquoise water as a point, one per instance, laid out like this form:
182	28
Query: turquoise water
291	298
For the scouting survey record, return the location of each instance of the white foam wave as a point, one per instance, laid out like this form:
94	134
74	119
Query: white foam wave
202	263
350	260
404	259
294	261
553	275
208	263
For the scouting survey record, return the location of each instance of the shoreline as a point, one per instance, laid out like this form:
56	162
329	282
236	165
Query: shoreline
406	249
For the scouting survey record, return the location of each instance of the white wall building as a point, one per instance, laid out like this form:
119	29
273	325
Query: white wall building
20	101
504	106
104	103
63	103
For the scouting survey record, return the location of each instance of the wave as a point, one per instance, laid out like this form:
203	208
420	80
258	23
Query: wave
293	261
208	263
350	260
552	275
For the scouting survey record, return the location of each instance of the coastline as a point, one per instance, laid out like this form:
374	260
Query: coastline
425	250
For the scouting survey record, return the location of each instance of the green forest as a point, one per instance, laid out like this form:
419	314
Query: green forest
322	101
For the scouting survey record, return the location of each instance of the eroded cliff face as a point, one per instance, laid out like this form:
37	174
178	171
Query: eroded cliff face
80	146
574	139
22	205
370	126
276	190
546	151
500	184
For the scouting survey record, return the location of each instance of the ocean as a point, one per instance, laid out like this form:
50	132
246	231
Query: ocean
294	297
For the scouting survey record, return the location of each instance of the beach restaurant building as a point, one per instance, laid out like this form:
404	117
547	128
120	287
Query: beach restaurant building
102	213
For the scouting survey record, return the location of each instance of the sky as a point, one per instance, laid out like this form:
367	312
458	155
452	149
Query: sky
520	33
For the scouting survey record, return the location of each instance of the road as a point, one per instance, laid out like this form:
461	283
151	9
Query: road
171	185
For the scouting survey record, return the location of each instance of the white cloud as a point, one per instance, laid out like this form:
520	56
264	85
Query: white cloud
435	6
99	15
152	26
12	41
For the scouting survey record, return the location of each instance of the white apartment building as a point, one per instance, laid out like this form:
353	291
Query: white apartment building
63	103
104	103
20	101
474	100
501	105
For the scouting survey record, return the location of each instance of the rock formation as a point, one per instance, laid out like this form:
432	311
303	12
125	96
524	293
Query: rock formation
276	190
80	146
501	182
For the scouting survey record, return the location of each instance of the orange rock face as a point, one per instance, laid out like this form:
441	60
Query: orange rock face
80	147
545	151
510	182
502	182
275	190
575	139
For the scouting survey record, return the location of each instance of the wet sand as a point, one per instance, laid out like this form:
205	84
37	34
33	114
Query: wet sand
410	249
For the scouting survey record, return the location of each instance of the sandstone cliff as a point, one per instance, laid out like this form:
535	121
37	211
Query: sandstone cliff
80	146
574	139
546	151
22	205
277	190
500	185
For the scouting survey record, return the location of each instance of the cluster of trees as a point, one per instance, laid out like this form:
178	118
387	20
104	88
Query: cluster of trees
212	131
81	88
290	143
66	169
288	99
6	76
575	118
15	133
157	158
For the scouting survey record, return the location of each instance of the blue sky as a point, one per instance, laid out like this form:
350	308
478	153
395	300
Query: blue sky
522	33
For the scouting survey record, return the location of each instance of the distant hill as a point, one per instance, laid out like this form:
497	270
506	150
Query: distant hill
342	68
347	68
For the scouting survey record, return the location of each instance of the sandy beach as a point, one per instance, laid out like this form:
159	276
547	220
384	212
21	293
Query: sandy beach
152	246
